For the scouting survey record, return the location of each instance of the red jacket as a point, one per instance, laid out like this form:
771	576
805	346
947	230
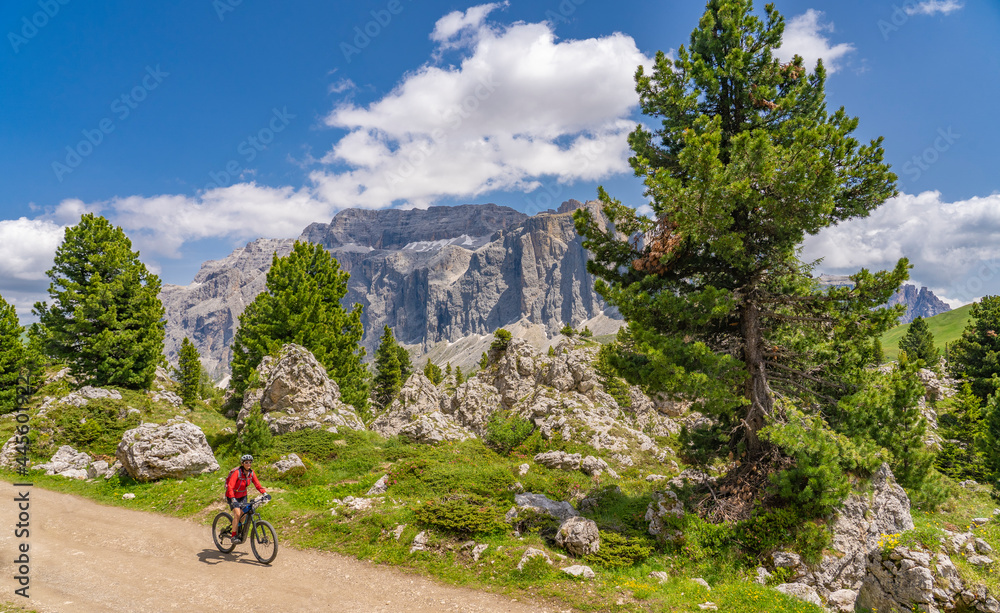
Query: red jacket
236	484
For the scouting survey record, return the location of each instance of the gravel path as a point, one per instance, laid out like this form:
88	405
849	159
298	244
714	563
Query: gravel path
89	557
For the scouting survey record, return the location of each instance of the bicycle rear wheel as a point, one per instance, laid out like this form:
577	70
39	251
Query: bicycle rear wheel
264	542
222	527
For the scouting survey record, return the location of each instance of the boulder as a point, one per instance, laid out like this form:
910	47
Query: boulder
661	511
531	552
9	453
297	394
381	486
541	504
165	396
290	464
67	462
579	536
800	591
176	449
87	393
596	467
558	460
578	570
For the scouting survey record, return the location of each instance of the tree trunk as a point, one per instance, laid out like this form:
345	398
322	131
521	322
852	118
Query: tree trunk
757	390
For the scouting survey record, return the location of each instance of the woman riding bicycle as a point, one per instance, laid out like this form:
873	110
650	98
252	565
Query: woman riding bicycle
236	489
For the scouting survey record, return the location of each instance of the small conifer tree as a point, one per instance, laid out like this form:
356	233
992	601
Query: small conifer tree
189	372
12	355
918	343
388	370
255	437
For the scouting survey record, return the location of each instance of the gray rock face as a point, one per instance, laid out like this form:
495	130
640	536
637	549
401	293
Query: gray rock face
297	394
177	449
579	536
800	591
906	579
919	303
418	396
87	393
559	460
431	275
208	310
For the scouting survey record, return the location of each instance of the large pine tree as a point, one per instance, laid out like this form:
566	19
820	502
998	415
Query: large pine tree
301	305
105	317
11	356
746	161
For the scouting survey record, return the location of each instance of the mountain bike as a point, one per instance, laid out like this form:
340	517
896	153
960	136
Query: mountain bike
263	540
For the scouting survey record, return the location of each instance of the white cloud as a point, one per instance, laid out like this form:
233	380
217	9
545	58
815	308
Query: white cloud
162	224
952	245
455	22
932	7
804	36
520	107
27	247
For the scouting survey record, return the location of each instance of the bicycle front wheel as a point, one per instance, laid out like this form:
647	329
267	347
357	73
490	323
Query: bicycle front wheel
222	527
264	542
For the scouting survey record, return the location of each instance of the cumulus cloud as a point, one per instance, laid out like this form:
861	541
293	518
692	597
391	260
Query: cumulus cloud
804	35
27	247
516	108
952	245
520	107
455	22
932	7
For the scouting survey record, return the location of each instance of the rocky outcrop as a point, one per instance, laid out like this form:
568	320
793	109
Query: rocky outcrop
297	394
67	462
909	580
176	449
289	465
87	393
540	503
433	275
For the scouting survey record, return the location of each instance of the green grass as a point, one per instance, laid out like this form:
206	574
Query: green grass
946	328
424	482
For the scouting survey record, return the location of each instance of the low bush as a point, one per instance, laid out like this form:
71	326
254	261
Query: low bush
464	515
505	431
620	551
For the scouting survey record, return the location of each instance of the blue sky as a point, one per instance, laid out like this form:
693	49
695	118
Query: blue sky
200	125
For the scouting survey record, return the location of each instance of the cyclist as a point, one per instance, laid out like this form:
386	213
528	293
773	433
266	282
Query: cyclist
236	489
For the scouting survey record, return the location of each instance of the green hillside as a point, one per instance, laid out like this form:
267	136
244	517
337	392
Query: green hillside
946	328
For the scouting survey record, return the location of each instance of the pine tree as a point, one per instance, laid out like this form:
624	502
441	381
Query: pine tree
12	355
105	318
255	437
301	305
746	161
447	369
962	430
976	355
918	343
433	372
388	371
459	377
189	372
990	439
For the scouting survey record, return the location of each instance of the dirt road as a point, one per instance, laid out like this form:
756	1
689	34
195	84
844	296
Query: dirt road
93	558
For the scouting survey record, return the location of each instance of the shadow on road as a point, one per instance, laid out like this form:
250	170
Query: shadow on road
214	556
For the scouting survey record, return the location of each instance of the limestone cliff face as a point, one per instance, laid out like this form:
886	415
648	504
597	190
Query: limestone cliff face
432	275
919	303
208	310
